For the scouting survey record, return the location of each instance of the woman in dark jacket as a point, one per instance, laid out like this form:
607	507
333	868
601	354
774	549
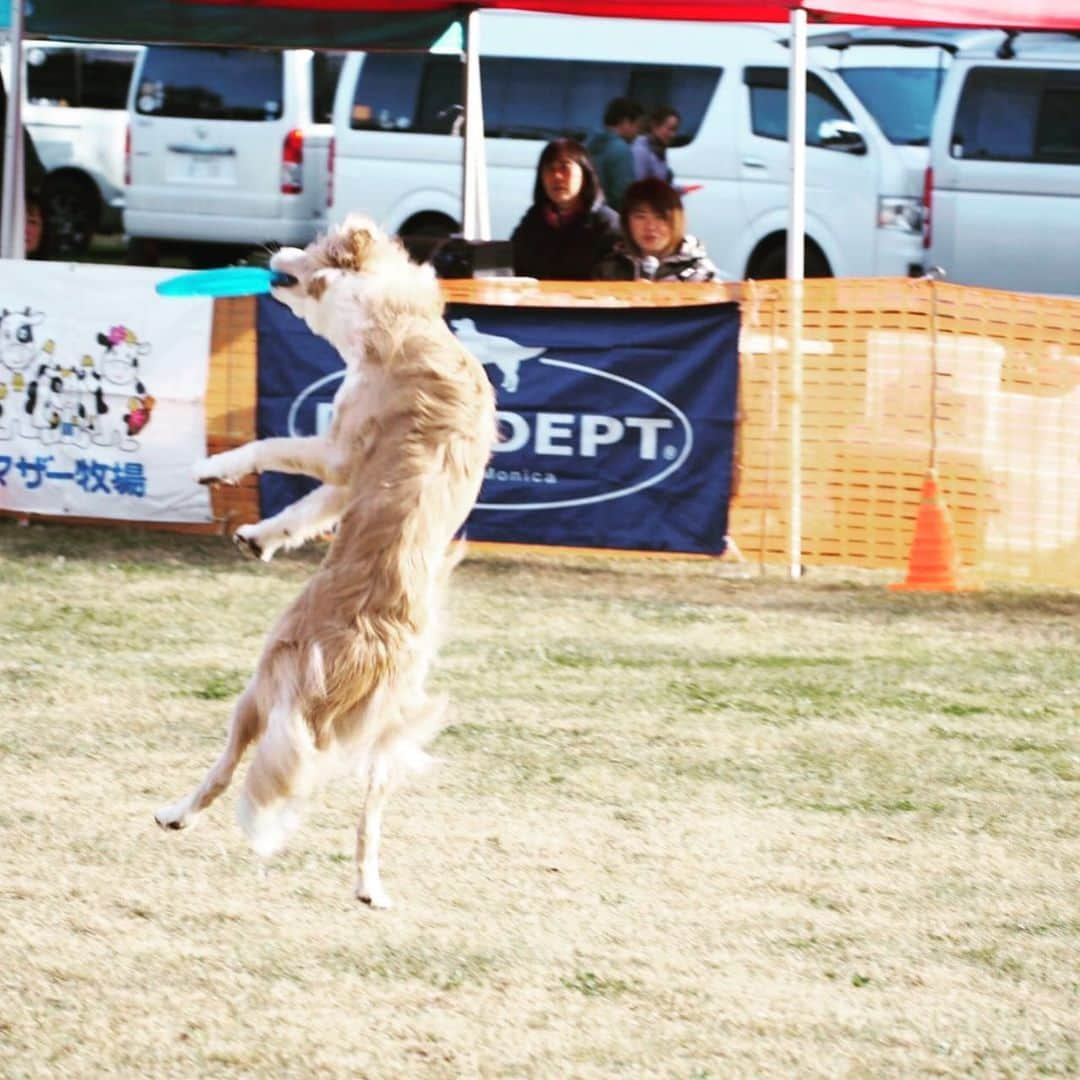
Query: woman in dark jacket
654	244
568	228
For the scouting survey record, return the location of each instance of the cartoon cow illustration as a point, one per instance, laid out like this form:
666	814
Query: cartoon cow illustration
505	353
56	406
21	353
117	406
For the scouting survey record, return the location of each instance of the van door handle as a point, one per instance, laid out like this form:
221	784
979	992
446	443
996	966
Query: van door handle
203	151
753	163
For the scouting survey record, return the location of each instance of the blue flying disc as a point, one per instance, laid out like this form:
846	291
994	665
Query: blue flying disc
229	281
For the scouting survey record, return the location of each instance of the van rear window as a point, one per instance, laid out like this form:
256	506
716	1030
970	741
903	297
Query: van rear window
78	77
211	84
1019	114
524	98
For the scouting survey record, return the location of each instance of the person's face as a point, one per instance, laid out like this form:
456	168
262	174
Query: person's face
649	230
34	224
563	180
666	131
627	129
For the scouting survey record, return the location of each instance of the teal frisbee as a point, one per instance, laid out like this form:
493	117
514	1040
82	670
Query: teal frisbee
228	281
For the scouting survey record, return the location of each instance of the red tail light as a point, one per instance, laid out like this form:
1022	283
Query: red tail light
127	156
292	163
927	205
330	174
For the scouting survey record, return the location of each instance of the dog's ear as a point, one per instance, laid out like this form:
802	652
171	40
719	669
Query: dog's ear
350	248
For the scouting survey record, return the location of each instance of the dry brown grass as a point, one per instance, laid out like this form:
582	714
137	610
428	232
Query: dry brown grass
686	826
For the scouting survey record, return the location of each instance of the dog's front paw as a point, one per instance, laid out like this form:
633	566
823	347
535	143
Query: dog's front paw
225	468
247	544
209	471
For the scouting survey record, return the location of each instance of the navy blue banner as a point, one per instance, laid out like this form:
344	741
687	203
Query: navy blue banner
617	424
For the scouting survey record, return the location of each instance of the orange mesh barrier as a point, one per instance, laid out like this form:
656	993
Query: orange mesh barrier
231	393
900	376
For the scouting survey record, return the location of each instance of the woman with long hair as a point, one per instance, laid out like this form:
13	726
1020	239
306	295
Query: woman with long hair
655	245
568	228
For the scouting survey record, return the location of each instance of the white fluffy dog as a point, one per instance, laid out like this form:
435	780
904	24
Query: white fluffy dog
340	682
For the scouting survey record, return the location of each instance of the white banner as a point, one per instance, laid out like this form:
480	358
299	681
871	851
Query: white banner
102	393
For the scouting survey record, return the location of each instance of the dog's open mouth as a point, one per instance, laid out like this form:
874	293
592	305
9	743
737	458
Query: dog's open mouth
281	280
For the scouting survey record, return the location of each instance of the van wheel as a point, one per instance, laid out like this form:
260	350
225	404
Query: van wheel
424	233
71	209
142	252
212	256
771	262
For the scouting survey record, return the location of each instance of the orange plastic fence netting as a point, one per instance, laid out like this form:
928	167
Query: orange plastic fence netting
231	396
899	376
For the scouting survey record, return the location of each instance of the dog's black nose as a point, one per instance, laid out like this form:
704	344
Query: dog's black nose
279	277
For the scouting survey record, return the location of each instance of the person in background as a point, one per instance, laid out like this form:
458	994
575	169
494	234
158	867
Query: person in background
568	228
35	227
650	149
655	245
610	148
34	171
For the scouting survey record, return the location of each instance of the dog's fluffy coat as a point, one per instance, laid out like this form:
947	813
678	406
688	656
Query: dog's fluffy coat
341	679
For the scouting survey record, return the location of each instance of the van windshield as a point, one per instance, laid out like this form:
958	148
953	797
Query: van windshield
901	100
211	84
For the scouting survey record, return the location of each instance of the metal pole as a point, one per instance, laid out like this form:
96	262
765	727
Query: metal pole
476	214
12	209
796	235
795	267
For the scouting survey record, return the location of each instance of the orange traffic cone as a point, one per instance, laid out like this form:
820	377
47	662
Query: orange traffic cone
932	563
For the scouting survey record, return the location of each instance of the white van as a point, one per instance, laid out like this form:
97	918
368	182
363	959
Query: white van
546	76
75	110
228	149
1003	187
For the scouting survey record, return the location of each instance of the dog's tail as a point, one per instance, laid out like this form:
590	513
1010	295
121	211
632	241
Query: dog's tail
279	782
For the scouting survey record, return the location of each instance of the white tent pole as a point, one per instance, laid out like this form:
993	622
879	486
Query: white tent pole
12	210
476	98
797	146
796	238
476	215
468	174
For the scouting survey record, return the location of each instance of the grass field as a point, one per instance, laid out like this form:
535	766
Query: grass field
685	825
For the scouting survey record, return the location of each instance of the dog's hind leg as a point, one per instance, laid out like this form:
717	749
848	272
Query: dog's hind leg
280	779
244	727
369	887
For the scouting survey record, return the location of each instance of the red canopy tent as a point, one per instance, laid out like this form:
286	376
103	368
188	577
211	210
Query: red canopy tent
1003	14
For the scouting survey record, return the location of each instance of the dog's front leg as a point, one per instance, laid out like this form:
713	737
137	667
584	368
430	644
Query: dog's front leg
369	888
316	513
310	456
